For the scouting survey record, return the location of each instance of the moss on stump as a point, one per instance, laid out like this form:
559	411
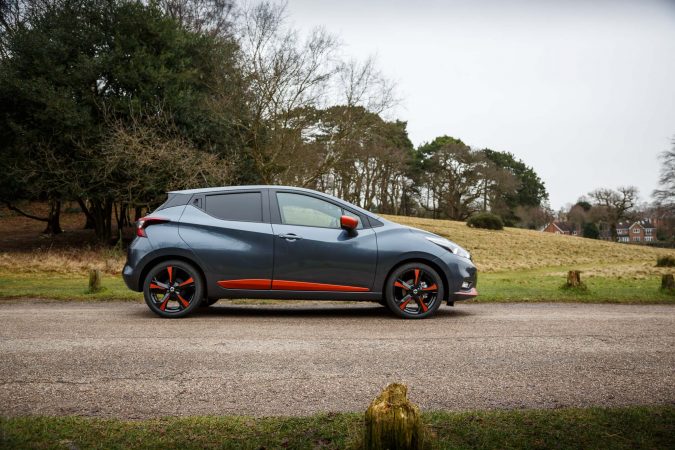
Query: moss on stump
392	421
94	281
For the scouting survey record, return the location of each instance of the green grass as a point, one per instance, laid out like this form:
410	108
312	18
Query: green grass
620	428
518	286
63	287
546	285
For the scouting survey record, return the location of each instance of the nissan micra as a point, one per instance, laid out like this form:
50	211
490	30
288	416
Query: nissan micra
275	242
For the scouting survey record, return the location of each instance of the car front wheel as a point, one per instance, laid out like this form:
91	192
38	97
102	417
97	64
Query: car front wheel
173	289
414	291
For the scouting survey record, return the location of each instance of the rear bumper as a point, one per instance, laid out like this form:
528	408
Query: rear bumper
130	278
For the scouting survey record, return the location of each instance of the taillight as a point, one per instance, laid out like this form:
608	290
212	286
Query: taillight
145	222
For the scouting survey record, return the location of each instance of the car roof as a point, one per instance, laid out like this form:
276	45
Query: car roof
271	186
237	188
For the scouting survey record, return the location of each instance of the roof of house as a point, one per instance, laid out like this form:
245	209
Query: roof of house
565	226
644	223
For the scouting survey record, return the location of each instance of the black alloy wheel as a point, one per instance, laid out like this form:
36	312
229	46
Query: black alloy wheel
414	291
173	289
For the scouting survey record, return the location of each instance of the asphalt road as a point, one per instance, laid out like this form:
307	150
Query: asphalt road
118	360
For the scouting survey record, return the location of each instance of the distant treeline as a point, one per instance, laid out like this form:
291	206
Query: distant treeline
111	103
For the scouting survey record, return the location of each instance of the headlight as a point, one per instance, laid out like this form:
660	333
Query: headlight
449	245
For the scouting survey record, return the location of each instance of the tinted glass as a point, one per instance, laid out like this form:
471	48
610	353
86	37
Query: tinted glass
174	200
351	214
243	206
297	209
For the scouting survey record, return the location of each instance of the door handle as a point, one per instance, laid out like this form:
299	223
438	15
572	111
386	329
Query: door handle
290	237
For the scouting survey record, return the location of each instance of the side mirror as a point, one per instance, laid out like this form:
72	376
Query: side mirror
349	223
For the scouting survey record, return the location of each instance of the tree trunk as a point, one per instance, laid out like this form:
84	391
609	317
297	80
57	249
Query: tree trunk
89	224
122	216
54	218
101	213
668	282
392	421
573	278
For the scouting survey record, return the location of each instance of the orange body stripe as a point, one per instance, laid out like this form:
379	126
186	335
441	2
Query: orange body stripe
284	285
252	283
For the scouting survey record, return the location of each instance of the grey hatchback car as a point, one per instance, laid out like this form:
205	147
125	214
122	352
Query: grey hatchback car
280	242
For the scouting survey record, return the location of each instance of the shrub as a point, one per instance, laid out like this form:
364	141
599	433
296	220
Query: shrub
591	231
486	220
665	261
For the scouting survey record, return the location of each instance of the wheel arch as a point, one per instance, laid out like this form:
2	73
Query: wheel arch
429	263
160	258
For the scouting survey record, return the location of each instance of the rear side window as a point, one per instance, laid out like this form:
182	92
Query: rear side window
174	200
241	206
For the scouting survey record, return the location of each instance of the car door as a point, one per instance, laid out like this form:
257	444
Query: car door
231	234
312	252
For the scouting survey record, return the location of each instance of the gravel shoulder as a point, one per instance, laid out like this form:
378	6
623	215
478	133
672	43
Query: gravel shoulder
113	359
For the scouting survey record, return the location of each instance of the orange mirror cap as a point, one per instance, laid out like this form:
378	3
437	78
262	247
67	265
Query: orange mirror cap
348	222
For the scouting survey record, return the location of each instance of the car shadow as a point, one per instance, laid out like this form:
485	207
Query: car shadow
313	310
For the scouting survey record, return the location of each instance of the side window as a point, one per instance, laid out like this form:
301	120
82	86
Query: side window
350	214
298	209
241	206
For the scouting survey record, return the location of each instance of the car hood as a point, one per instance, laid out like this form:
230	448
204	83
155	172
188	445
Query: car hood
423	232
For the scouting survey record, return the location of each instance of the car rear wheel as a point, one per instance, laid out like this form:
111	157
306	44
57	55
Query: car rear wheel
414	291
173	289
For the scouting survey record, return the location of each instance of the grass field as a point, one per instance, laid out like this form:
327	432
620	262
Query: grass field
594	428
514	264
524	286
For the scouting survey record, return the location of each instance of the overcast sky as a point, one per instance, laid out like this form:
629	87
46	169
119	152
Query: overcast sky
583	91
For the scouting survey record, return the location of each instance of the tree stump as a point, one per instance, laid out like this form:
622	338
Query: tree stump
668	282
573	278
94	281
392	421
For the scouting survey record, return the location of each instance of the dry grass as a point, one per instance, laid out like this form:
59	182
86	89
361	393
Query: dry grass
24	250
62	261
516	249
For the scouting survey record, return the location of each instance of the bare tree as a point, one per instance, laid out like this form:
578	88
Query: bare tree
362	84
287	74
617	204
665	196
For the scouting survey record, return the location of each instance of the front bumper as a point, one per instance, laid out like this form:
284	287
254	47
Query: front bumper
463	295
462	277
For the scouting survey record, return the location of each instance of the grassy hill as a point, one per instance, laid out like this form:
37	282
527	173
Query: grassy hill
515	249
514	264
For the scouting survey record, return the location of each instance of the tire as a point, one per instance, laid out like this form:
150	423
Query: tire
173	289
414	291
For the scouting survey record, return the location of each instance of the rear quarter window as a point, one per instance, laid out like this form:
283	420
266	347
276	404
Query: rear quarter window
239	206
